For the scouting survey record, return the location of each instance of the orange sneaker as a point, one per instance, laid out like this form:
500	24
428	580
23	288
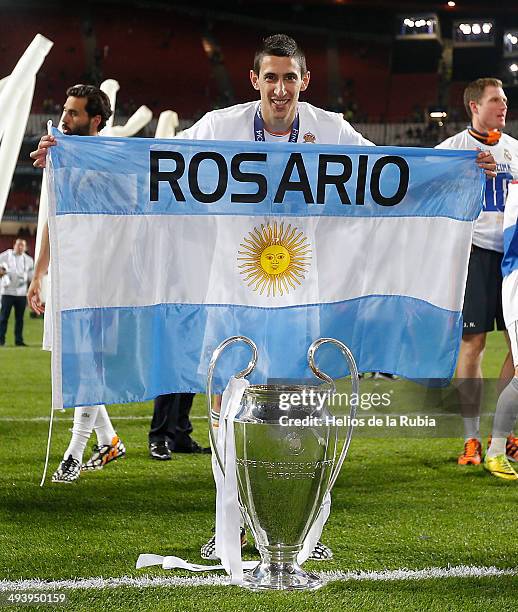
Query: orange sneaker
104	454
472	454
511	448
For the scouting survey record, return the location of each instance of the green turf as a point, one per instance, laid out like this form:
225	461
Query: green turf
398	503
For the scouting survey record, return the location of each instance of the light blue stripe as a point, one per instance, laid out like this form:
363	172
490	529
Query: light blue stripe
96	175
114	355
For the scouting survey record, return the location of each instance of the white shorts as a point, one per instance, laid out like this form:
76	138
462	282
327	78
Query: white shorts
513	337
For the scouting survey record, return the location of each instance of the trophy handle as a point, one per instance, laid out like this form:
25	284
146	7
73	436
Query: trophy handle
215	356
355	382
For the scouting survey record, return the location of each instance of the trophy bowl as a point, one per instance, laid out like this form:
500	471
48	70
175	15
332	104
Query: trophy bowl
287	460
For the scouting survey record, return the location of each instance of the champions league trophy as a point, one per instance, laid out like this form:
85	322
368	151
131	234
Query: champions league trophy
287	460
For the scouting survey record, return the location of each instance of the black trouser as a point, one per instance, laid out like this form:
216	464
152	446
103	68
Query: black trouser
171	421
18	302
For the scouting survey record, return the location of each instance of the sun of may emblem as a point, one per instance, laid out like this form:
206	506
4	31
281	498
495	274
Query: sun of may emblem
274	258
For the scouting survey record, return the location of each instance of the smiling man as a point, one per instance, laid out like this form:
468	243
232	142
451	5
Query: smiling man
280	75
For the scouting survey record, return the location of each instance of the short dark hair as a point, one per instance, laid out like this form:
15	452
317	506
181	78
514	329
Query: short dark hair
280	45
475	91
97	103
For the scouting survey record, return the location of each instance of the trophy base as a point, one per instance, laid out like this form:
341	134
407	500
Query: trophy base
280	577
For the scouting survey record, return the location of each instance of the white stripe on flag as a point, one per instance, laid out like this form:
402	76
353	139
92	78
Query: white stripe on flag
194	260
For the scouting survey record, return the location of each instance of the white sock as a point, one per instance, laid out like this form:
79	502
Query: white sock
505	418
84	419
497	447
103	427
471	428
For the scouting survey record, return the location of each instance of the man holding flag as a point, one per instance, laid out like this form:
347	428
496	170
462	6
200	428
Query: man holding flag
280	75
85	113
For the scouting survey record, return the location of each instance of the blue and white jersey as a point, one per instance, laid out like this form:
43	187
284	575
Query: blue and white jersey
487	233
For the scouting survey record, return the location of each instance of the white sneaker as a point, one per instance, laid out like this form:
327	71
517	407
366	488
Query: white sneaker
68	470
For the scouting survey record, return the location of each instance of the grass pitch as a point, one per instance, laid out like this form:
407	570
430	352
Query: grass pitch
399	503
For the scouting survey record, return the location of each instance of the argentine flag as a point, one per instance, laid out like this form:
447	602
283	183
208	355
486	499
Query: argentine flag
162	249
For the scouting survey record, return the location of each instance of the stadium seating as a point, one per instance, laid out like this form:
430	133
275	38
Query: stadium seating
365	71
410	95
158	62
66	61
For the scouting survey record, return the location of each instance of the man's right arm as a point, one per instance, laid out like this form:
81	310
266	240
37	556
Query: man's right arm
40	269
42	264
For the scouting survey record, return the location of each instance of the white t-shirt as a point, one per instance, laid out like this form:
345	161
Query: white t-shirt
488	230
237	123
19	273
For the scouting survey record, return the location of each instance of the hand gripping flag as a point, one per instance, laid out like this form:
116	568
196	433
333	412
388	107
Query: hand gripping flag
162	249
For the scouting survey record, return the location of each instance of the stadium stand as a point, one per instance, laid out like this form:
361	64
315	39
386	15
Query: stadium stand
66	62
158	62
410	95
365	71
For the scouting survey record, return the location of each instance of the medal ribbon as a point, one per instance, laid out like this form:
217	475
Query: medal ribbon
259	127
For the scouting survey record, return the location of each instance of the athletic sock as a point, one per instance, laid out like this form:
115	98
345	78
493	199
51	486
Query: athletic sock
497	446
471	428
103	427
505	418
84	419
470	398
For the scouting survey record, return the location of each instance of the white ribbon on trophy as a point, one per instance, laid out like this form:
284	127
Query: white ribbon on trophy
228	514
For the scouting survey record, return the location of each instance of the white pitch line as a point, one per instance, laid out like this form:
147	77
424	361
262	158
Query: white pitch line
9	419
460	571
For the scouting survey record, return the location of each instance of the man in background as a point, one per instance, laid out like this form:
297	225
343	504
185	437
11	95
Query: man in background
16	269
85	113
486	105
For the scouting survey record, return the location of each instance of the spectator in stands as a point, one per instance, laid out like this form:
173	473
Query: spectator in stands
17	268
486	105
85	113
